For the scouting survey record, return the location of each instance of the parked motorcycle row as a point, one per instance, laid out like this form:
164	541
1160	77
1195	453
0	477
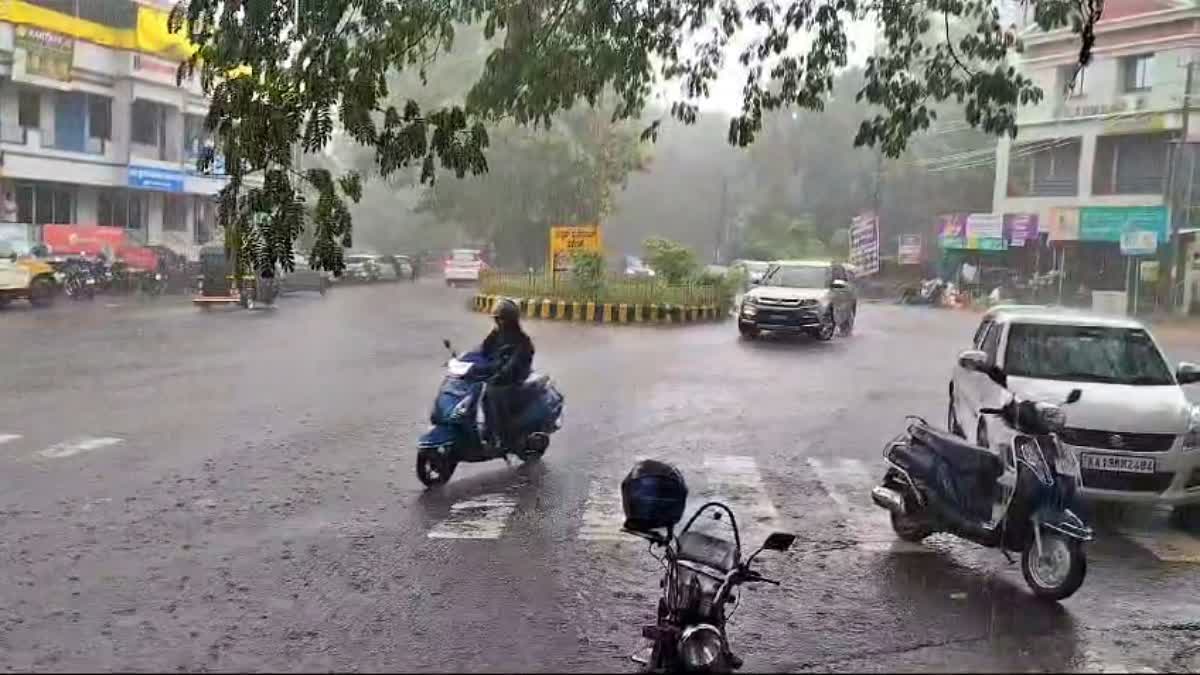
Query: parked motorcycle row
81	277
1021	502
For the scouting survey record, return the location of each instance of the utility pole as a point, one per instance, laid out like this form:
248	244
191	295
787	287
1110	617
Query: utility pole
1176	270
722	228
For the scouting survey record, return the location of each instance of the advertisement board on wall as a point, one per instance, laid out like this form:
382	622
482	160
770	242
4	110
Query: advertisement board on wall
972	231
1064	224
84	239
46	53
1020	228
1108	223
864	244
565	241
909	252
150	178
1139	242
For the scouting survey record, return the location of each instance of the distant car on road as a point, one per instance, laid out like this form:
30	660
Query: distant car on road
801	296
303	278
463	267
1136	435
361	267
635	267
404	267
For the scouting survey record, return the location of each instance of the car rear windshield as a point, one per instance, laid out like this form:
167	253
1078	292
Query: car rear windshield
465	256
798	277
1085	354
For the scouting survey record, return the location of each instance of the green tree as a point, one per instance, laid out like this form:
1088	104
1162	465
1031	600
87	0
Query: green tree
277	77
671	261
774	235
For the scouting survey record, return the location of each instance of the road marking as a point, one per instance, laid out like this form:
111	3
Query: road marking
483	517
736	480
848	483
8	438
603	516
71	448
1166	545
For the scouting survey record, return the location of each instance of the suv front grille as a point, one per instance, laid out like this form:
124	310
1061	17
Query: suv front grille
1110	440
1126	482
784	302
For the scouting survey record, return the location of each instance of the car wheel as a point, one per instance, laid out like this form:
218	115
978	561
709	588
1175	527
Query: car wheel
981	434
847	327
41	292
952	420
828	328
1186	517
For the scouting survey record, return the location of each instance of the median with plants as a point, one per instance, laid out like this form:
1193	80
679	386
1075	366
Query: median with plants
679	291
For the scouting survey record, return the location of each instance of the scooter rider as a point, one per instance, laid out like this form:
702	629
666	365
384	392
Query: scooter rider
509	346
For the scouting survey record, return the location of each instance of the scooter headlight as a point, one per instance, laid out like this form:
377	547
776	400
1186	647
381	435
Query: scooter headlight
700	646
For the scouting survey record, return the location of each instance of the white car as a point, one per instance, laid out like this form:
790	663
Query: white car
1136	435
463	267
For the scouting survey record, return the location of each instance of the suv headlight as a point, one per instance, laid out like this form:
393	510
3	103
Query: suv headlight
1191	439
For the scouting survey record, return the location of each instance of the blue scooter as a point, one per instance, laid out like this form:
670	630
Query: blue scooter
459	434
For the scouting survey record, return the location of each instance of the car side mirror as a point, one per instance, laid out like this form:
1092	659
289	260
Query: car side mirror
975	360
779	541
1077	394
838	284
756	282
1187	373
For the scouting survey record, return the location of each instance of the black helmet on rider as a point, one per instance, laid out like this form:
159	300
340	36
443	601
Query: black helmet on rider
507	314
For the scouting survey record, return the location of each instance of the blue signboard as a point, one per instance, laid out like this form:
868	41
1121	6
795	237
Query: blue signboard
149	178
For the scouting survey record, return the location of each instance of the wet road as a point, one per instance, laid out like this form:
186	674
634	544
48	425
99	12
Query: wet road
235	491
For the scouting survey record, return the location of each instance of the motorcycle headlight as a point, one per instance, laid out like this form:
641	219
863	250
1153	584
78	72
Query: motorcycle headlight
1191	440
700	646
158	277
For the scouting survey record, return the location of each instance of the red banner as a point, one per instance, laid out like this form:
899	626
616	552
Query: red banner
84	239
139	258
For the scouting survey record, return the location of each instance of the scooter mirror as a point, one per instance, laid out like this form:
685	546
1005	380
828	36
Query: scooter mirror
779	541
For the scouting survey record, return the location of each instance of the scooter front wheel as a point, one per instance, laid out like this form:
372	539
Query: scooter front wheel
1058	571
433	467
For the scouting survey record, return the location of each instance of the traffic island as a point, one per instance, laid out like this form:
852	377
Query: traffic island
604	312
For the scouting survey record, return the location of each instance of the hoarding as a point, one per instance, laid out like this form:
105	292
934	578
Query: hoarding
565	241
864	244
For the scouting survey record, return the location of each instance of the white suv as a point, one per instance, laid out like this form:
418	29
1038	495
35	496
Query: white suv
1136	434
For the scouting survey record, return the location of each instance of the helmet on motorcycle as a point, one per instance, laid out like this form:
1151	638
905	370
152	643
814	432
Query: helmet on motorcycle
506	312
653	495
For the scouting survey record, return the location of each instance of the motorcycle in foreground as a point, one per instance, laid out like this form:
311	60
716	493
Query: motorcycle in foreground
702	572
1021	501
459	433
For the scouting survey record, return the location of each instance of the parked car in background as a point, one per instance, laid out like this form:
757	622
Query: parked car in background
361	267
25	278
463	267
1135	434
800	296
404	267
303	278
385	266
636	267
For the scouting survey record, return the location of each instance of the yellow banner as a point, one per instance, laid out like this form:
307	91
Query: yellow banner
151	34
565	241
154	37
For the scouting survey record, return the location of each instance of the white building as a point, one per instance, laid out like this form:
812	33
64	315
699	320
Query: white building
1091	161
94	129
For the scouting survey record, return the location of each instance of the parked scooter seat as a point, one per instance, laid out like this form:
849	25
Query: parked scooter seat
964	457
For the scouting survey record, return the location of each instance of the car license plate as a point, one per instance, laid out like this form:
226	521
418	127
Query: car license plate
1120	463
781	318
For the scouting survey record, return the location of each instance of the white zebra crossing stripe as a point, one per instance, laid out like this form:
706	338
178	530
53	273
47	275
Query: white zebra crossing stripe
483	517
736	480
71	448
8	438
848	483
602	513
1167	545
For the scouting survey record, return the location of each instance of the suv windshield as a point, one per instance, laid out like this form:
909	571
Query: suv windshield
797	277
1085	354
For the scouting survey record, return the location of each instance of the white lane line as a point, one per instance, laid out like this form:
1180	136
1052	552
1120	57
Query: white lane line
736	480
1166	545
848	483
8	438
75	447
483	517
603	515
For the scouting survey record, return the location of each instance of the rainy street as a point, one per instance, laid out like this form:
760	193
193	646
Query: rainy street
182	490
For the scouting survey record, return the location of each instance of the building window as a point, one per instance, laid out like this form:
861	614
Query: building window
1071	83
175	213
42	203
1048	168
204	215
1133	164
1136	72
99	117
29	109
147	122
122	208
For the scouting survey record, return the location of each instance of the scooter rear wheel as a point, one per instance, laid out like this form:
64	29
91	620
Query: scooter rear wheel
1059	571
434	468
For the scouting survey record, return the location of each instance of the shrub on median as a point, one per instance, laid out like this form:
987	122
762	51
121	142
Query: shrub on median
606	288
